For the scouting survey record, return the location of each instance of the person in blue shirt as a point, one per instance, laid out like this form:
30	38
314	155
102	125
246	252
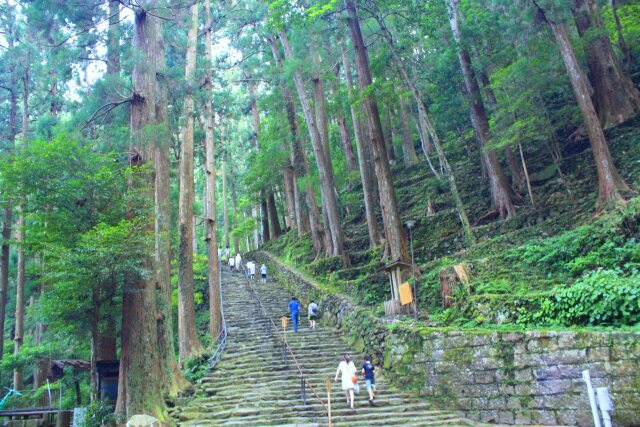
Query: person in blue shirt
369	376
294	307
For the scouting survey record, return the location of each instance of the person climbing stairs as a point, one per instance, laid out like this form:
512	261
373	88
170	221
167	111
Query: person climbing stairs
258	381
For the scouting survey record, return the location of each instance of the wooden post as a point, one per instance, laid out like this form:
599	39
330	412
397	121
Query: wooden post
328	382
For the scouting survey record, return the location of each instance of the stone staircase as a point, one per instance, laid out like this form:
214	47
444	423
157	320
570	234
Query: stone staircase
253	385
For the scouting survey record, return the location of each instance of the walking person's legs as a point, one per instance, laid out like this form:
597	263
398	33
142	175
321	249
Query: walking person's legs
294	319
351	397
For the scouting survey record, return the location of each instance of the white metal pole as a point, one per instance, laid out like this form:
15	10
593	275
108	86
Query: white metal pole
592	398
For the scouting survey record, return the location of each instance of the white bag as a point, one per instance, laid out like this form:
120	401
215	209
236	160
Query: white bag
356	388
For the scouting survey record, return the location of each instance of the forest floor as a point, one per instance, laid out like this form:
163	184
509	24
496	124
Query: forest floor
555	256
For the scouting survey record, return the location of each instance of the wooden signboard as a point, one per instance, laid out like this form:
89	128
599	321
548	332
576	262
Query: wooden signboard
406	296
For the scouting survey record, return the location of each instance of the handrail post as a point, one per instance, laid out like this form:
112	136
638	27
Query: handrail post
328	382
303	390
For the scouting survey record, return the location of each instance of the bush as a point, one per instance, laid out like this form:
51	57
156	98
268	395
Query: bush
603	297
98	413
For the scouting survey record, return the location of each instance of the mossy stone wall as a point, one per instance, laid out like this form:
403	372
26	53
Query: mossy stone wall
532	377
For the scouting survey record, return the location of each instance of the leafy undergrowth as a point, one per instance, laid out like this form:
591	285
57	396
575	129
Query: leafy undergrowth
556	263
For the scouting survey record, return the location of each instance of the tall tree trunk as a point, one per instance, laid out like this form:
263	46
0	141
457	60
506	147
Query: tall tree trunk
615	97
288	178
624	48
364	153
113	39
188	343
20	241
215	305
396	242
106	342
276	230
388	133
609	181
345	138
325	169
409	155
264	215
426	126
140	379
502	196
173	379
234	208
8	212
225	204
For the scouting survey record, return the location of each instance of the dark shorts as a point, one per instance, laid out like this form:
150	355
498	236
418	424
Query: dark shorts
264	276
313	317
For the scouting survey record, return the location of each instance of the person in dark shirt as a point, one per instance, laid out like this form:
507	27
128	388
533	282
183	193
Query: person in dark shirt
294	308
370	377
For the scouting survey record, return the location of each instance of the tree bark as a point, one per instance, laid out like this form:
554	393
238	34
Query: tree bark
325	169
502	195
364	152
609	181
264	214
388	133
409	155
396	246
215	304
615	97
20	241
276	230
140	379
234	208
173	379
113	39
188	343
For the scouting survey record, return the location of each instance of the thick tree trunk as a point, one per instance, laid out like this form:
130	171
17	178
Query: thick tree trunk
264	215
288	179
615	97
188	343
215	305
140	378
174	380
409	155
502	197
396	246
20	241
325	169
364	153
276	230
609	181
95	338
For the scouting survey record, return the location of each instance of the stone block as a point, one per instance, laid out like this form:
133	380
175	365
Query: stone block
484	377
554	386
597	354
567	340
542	345
523	375
522	418
488	416
545	417
512	337
505	417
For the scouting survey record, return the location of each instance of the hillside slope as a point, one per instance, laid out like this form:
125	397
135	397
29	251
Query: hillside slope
524	269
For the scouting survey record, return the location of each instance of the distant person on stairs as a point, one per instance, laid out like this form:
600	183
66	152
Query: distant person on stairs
251	270
219	254
238	261
313	314
263	273
347	371
227	252
232	262
369	377
294	307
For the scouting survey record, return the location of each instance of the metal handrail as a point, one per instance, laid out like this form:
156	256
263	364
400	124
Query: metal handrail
221	339
303	379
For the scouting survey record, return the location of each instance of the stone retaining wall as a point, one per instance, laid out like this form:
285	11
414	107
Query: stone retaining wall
532	377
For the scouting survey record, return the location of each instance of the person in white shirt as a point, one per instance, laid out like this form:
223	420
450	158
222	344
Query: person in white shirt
238	261
347	371
232	262
263	273
251	267
313	314
227	252
219	254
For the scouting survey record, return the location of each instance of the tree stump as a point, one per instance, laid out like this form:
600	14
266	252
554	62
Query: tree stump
450	277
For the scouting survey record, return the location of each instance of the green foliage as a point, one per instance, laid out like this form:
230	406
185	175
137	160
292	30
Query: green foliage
603	297
98	414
